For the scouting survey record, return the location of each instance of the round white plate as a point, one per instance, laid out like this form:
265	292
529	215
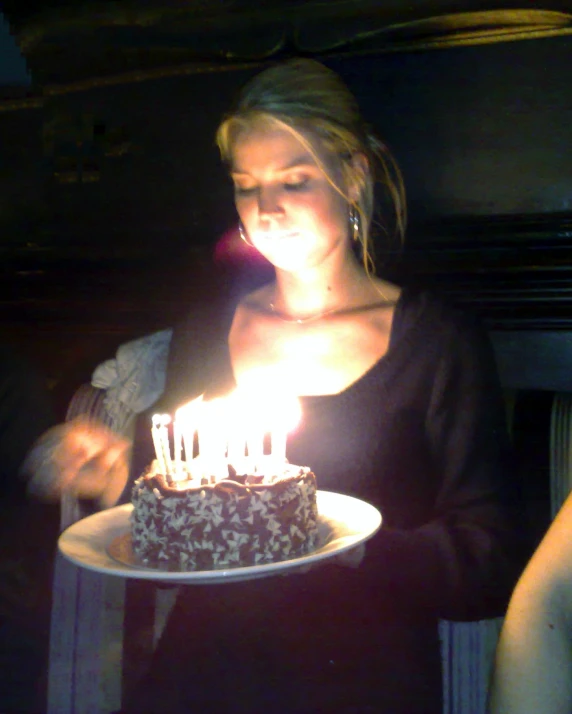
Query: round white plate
102	543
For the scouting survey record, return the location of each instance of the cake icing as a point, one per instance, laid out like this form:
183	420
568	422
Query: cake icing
236	521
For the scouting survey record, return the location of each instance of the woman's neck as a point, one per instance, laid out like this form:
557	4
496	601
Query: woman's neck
317	291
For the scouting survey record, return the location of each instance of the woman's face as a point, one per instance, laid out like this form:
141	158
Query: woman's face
288	206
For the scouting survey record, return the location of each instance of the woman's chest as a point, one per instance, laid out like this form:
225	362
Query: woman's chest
369	442
306	359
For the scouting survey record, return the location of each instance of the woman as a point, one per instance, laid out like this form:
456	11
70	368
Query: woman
401	407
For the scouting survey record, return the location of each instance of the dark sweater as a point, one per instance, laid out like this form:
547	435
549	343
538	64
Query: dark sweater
422	436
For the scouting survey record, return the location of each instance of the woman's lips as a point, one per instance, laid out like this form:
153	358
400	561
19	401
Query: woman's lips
277	235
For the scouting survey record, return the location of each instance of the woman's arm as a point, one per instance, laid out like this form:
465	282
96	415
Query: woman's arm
464	561
533	671
87	457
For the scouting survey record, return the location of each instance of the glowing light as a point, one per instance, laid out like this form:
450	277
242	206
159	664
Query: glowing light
186	424
212	438
266	411
284	421
160	436
230	431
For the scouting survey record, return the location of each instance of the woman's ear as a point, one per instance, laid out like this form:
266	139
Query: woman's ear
359	172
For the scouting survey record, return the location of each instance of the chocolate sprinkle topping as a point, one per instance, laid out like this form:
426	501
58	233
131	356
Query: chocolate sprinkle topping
239	521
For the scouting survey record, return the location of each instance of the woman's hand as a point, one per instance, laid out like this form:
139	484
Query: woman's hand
81	456
351	558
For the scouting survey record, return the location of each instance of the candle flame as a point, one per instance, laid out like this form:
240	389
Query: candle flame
265	409
189	409
229	430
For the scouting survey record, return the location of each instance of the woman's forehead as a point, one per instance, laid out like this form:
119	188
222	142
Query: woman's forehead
275	148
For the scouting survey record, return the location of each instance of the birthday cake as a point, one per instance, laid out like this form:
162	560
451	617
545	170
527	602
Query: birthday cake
239	520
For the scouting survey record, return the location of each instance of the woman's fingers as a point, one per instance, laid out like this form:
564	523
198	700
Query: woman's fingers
83	456
352	558
104	476
116	482
44	476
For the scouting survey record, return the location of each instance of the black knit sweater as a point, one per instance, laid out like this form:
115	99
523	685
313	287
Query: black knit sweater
422	435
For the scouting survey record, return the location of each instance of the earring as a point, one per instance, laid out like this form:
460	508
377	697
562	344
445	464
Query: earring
243	234
355	223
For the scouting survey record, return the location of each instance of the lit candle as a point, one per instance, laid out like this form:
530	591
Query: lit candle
204	436
187	418
165	420
252	398
262	411
254	428
212	439
236	436
278	440
255	446
156	434
228	430
178	449
285	418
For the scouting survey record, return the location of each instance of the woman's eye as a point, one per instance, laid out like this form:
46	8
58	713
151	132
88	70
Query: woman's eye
244	190
296	185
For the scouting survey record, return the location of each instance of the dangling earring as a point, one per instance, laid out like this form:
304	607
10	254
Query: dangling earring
244	235
355	224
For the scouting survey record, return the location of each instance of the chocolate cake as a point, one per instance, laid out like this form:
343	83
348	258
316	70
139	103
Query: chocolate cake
236	521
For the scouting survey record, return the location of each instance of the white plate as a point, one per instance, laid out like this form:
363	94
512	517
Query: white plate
102	543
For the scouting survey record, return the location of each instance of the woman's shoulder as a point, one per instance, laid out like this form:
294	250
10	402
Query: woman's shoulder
432	319
431	306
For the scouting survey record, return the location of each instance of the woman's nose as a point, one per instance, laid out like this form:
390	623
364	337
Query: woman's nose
269	203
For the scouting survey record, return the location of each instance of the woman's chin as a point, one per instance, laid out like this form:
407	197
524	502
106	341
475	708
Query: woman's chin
288	252
288	265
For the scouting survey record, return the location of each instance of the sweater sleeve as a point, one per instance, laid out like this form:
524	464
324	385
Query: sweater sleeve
464	562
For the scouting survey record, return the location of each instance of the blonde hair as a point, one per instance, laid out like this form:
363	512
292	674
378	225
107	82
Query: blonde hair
309	99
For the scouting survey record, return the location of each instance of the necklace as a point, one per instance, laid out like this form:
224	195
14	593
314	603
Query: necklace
332	311
310	318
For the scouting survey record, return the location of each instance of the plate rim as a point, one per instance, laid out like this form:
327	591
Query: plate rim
113	567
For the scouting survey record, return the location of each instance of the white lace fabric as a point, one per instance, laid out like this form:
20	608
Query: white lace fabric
135	378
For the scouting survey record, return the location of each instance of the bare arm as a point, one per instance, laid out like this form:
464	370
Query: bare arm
533	670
